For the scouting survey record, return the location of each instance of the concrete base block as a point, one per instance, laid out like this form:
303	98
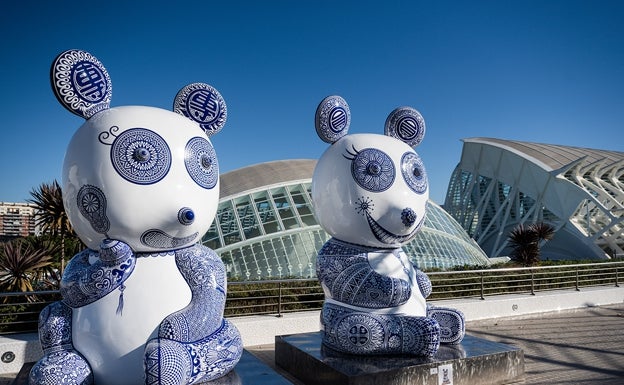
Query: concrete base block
475	361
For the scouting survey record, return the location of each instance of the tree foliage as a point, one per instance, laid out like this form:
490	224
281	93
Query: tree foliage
51	215
23	264
525	242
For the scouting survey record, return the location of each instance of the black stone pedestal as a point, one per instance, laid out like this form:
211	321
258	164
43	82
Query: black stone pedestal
475	361
249	371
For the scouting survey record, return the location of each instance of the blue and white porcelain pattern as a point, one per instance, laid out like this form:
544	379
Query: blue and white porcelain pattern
144	302
81	83
332	118
203	104
407	125
375	298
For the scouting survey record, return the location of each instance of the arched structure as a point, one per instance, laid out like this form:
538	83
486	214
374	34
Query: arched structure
501	183
265	226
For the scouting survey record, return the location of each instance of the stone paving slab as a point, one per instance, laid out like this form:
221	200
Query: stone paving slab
583	346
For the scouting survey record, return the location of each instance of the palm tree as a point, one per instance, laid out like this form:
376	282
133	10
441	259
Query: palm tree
525	242
22	264
51	215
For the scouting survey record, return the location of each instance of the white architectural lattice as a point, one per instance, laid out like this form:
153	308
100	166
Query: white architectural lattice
501	183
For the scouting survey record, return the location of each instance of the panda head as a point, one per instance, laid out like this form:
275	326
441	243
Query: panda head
142	175
370	189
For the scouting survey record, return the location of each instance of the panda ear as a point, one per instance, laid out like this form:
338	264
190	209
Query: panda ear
332	119
203	104
80	83
407	125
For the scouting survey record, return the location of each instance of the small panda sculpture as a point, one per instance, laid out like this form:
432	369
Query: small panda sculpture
144	302
370	193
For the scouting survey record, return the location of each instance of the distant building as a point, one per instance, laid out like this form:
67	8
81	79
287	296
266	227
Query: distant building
499	184
17	220
265	227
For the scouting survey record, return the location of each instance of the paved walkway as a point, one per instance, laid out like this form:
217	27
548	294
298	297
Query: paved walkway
583	346
574	347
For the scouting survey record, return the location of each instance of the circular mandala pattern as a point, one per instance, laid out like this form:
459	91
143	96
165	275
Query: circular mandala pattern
141	156
361	333
407	125
373	170
81	83
332	118
203	104
201	162
414	172
91	203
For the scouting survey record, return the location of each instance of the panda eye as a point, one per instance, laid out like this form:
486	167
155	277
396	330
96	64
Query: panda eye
201	162
141	156
371	169
414	173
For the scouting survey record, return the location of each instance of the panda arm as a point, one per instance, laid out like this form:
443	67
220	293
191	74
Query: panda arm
358	284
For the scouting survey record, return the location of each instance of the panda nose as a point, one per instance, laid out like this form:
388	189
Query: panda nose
186	216
408	217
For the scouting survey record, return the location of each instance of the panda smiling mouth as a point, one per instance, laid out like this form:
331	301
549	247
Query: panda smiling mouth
385	236
160	240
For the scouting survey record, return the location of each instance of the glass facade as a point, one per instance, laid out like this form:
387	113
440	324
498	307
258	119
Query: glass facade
270	232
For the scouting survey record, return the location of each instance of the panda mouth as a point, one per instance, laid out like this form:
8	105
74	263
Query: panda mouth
159	239
387	237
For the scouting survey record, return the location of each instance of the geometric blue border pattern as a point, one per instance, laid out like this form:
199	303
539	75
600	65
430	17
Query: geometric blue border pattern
201	162
141	156
80	83
203	104
407	125
332	118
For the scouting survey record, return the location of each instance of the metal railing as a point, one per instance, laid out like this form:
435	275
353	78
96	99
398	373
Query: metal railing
19	311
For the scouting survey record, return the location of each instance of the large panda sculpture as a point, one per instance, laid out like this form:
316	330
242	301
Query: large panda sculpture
144	302
370	193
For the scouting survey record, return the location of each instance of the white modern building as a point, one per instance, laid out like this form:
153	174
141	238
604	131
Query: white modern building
499	184
265	226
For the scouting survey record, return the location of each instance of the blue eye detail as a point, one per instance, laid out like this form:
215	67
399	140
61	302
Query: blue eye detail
186	216
201	162
414	173
141	156
372	169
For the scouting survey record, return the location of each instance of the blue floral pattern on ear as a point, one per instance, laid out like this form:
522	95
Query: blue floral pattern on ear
407	125
203	104
332	118
81	83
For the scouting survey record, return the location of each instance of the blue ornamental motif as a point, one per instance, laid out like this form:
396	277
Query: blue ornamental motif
159	239
414	172
407	125
141	156
332	118
196	337
351	322
203	104
194	344
372	169
201	162
81	83
84	282
91	203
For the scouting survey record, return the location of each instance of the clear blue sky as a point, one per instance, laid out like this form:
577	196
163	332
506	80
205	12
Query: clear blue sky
542	71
